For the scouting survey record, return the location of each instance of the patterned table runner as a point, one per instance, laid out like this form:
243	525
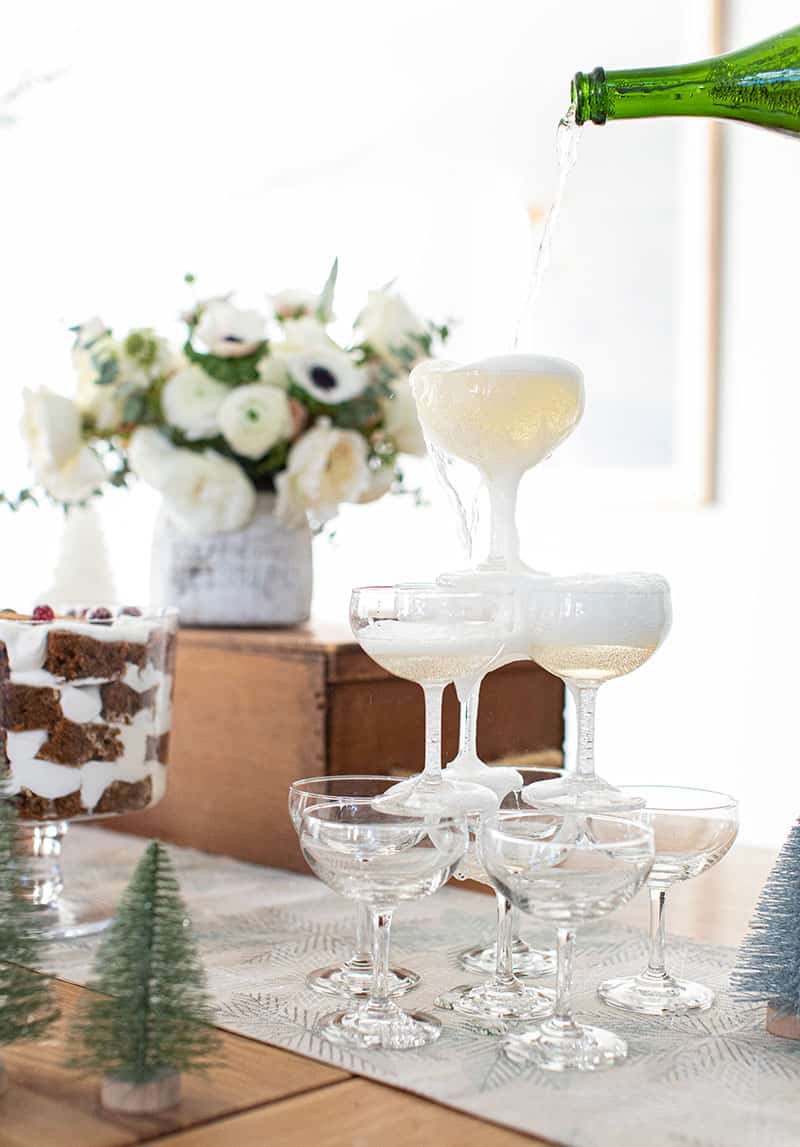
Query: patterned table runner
712	1080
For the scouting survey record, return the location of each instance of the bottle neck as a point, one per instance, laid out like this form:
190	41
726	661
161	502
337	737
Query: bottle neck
641	93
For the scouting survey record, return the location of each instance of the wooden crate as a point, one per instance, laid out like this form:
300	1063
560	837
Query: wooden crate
257	709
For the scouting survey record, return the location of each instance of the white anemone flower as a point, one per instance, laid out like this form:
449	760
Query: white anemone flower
327	374
229	332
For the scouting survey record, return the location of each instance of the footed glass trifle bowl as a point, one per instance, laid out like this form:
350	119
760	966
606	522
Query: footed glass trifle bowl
85	715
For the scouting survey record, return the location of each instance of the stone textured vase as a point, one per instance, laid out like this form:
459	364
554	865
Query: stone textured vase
258	576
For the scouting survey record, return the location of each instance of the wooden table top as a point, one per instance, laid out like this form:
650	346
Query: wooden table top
264	1095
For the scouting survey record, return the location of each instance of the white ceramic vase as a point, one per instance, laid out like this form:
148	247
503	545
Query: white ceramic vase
258	576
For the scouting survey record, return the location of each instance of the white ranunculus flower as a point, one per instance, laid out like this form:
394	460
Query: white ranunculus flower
294	303
205	493
328	374
51	426
400	421
388	324
228	331
191	400
253	418
326	467
149	453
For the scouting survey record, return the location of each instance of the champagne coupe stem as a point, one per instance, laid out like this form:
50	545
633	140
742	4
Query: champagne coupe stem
379	992
561	1020
503	535
468	725
656	967
433	732
584	697
361	960
504	970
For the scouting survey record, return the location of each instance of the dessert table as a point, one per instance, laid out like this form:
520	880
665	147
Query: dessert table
263	1094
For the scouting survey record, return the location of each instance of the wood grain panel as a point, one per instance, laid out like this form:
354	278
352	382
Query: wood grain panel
358	1113
50	1106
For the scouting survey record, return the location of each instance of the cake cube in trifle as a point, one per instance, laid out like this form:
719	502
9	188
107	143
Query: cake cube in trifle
85	709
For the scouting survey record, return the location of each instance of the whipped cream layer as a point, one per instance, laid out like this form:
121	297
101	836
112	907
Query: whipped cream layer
138	715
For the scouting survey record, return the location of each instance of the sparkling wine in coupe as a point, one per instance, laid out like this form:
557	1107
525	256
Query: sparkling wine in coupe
503	415
590	662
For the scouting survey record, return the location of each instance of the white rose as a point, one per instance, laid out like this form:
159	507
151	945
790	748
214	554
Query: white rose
205	493
388	324
149	453
328	374
229	332
191	400
253	418
77	479
51	427
294	303
400	421
326	466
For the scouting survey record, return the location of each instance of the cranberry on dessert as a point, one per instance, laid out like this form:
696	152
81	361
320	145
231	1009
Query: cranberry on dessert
130	611
100	614
43	613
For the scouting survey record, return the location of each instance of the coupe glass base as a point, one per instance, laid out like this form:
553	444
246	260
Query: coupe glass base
442	796
527	963
339	980
490	1001
395	1030
588	794
649	997
70	919
587	1049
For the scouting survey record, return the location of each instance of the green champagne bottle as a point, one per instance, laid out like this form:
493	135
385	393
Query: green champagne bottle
759	85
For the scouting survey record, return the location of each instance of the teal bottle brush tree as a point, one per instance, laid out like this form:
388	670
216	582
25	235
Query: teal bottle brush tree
768	964
27	1008
151	1020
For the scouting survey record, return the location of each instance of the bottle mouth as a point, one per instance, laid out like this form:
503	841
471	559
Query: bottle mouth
589	95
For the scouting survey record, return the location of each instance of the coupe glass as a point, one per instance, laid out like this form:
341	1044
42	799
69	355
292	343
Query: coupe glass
85	717
503	997
382	860
354	976
589	629
693	829
432	635
563	870
502	415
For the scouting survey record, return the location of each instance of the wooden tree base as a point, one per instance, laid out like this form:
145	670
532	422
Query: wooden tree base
779	1023
141	1098
3	1078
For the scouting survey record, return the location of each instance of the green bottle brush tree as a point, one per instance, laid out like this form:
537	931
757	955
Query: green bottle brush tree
152	1019
27	1007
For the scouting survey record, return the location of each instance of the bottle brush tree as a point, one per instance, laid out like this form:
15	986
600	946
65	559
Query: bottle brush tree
768	962
152	1015
27	1007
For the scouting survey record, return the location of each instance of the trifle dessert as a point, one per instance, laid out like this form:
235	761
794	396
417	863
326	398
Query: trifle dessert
85	714
85	709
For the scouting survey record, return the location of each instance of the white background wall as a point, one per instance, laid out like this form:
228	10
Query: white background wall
118	185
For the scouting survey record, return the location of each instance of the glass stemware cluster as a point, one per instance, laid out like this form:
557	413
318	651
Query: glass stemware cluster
561	846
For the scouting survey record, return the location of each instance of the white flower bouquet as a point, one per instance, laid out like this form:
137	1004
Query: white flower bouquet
251	402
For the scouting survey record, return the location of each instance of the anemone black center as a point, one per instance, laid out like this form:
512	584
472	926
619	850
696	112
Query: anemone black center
323	378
